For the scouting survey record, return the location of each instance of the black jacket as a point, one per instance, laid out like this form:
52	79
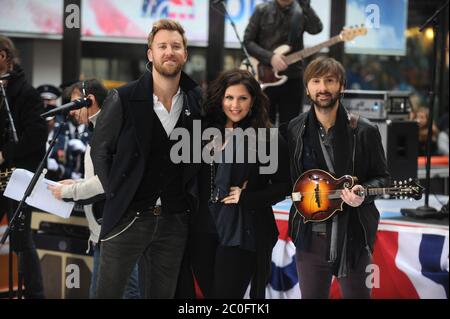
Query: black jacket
122	140
270	26
258	222
369	166
26	107
261	193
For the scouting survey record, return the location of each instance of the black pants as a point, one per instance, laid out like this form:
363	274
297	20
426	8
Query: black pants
221	272
315	273
159	242
286	99
23	242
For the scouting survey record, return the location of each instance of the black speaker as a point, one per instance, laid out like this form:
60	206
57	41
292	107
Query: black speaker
400	142
66	269
61	245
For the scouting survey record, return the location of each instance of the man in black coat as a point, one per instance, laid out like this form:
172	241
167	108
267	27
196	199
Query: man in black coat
275	23
147	194
329	138
26	106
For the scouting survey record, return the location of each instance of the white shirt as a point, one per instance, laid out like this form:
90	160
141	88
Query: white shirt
169	119
87	188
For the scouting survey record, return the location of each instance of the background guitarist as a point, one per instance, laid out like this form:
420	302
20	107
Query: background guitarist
26	107
328	138
272	24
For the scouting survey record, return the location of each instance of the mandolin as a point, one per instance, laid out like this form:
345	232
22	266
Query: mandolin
317	194
5	174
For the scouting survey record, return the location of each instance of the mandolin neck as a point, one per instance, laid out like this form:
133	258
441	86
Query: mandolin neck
366	192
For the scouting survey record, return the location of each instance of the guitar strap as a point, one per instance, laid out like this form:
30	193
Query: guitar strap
334	226
353	120
326	155
343	267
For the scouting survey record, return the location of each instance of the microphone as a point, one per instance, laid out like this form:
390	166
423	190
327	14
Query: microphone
74	105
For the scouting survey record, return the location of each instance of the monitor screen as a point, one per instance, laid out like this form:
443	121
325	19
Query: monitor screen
386	22
35	18
131	20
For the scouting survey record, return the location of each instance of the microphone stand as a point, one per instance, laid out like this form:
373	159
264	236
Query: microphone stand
426	211
246	61
16	224
12	127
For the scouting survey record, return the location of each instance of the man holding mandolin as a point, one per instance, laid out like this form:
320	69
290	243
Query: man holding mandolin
333	223
273	24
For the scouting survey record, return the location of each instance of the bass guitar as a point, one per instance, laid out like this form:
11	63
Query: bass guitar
267	77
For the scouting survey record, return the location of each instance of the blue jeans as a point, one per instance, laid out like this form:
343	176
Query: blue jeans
132	288
159	241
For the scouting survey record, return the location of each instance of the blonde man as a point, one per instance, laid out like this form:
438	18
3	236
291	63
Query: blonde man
147	201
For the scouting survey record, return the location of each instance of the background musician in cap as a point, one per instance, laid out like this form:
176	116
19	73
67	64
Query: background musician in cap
66	159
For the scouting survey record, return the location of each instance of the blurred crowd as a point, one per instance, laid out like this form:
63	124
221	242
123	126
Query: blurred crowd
439	132
66	159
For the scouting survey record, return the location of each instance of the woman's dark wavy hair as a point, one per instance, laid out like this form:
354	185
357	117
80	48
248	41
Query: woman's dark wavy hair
258	116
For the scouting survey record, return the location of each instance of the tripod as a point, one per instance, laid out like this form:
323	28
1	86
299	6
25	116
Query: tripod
426	211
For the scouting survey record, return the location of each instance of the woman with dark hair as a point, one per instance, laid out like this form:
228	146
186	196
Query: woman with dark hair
234	229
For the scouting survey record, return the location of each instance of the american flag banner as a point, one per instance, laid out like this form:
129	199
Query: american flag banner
410	260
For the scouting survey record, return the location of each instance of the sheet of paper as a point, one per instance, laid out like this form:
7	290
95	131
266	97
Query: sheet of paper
41	197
